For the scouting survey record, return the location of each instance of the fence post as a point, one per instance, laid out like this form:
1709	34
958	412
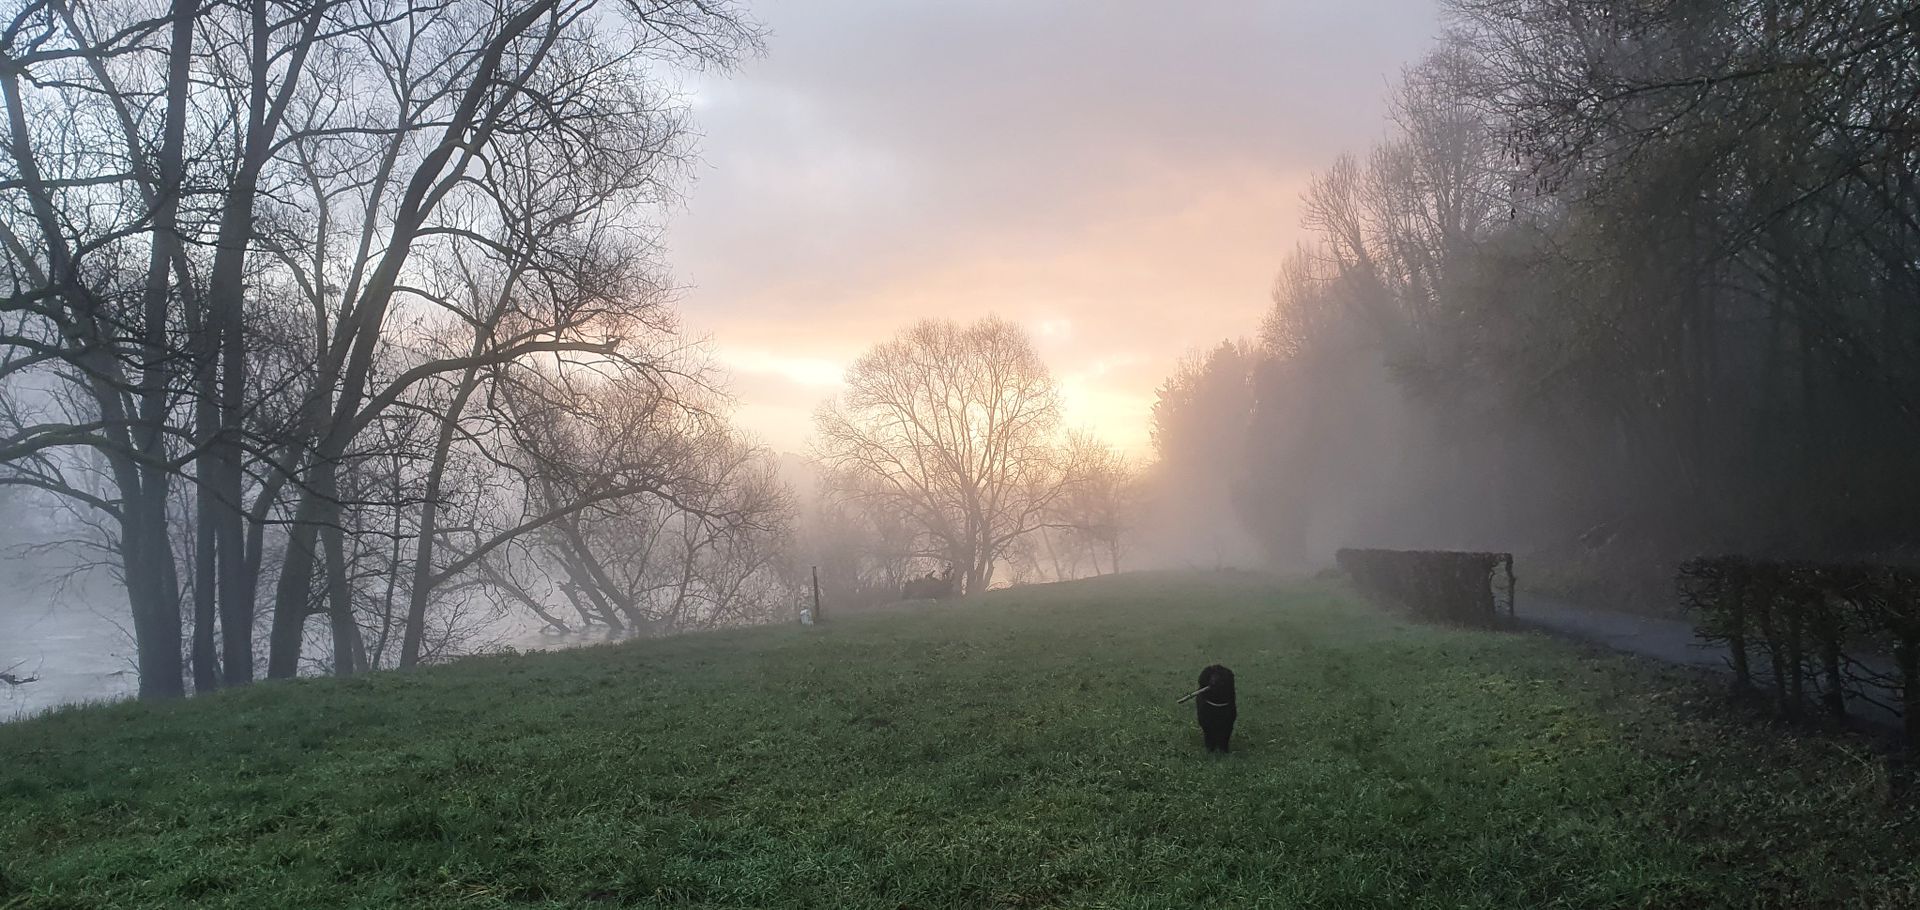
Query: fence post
816	594
1508	558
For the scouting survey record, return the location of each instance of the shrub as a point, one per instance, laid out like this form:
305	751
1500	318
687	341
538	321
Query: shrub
1442	585
1819	632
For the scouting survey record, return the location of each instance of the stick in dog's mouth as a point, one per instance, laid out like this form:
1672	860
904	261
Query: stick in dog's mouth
1190	696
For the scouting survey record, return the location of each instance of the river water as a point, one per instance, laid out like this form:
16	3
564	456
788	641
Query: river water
73	637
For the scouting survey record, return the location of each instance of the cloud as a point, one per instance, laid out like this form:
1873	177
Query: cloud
803	371
1122	177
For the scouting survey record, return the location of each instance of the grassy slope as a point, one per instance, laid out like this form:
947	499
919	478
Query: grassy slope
1023	751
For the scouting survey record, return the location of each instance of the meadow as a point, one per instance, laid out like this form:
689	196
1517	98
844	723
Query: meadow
1018	750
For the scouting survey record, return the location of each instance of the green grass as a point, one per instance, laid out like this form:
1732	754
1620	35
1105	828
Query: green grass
1021	751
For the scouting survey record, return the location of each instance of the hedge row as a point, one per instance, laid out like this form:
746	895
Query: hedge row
1820	633
1441	585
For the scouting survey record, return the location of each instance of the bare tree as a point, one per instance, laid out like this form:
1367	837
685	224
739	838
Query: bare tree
655	517
953	427
1095	512
543	73
223	225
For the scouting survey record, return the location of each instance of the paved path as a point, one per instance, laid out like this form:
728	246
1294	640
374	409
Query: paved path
1671	640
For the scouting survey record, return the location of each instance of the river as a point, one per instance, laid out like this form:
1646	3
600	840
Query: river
74	640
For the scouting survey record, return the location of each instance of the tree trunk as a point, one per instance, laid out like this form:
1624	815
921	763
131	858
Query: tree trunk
976	573
349	649
1059	571
237	632
226	317
206	555
292	599
422	590
206	669
385	636
153	593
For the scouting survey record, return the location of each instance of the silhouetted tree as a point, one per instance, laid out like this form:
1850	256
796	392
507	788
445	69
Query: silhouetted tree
954	427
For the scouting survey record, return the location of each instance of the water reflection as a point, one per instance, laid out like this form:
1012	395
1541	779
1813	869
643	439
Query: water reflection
66	637
73	640
548	638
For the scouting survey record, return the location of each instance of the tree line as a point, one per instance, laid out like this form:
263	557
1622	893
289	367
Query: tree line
321	314
1625	282
341	329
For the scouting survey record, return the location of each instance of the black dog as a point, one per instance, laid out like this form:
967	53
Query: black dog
1215	707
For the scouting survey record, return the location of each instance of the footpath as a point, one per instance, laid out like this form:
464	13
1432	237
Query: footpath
1671	640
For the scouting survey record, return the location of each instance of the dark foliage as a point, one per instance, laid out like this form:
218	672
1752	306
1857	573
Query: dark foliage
929	586
1819	633
1627	282
1442	585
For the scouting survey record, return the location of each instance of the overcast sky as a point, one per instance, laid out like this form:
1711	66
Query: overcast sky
1122	177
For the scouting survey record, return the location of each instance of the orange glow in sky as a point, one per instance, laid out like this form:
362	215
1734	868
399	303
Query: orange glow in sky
1122	178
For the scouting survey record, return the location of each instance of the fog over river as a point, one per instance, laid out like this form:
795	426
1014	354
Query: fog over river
74	651
70	635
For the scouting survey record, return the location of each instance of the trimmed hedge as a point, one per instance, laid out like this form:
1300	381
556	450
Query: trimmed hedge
1821	633
1440	585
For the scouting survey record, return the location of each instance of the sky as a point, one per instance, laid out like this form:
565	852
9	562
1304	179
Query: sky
1121	177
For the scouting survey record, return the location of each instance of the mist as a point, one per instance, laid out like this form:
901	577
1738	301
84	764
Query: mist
1447	293
827	453
373	397
1576	315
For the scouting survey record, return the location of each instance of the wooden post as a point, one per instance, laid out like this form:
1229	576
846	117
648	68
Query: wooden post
816	594
1510	605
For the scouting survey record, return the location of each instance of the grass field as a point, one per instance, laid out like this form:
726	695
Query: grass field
1019	751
